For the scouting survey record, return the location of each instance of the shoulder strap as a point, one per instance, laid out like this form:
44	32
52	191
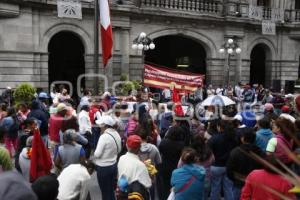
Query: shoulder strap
186	185
115	142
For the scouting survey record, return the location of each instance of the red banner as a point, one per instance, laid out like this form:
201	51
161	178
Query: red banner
167	78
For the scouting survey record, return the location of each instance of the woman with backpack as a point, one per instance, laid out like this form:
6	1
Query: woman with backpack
11	127
188	181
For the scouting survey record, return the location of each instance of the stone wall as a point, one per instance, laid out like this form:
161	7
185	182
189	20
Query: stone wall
26	32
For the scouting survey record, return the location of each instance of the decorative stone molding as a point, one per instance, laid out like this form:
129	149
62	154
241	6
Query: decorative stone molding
83	35
208	44
270	50
9	10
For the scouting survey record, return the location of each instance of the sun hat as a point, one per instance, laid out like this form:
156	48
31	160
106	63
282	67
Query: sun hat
105	120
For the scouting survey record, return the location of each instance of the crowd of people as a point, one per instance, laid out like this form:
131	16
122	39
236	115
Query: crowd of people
152	148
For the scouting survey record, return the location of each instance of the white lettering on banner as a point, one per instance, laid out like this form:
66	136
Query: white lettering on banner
277	15
268	28
69	9
255	12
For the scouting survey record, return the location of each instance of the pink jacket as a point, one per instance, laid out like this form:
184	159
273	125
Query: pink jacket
131	126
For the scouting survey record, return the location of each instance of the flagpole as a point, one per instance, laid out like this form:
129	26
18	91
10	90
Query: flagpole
96	44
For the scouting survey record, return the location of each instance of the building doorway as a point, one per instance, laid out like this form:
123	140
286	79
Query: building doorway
258	65
66	59
178	52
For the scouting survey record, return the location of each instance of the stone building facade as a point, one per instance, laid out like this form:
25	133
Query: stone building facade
38	47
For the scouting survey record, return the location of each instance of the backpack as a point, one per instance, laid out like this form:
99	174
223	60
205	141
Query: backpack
280	151
133	191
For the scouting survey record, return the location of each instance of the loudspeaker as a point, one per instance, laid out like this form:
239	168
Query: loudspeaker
276	85
289	87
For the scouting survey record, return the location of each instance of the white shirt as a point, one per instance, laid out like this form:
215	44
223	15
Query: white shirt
84	122
106	152
71	181
219	91
133	169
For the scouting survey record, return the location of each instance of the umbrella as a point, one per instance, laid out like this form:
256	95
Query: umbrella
217	100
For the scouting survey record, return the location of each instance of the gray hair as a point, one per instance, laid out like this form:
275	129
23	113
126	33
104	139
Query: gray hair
69	136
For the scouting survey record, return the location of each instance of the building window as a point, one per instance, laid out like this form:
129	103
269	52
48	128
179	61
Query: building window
297	4
265	3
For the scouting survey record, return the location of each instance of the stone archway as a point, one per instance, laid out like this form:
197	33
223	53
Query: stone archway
260	70
84	36
178	52
206	45
66	59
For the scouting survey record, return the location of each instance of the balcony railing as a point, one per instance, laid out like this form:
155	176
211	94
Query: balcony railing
267	13
201	6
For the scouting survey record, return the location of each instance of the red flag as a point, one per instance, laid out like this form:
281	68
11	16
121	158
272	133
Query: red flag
41	162
106	31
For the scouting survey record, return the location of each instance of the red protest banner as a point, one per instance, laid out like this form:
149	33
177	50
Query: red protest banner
167	78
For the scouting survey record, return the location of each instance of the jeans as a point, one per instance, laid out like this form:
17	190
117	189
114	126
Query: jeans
95	136
45	140
207	186
237	192
220	180
106	179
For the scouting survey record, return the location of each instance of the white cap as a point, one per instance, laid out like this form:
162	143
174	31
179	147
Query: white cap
105	94
106	120
238	117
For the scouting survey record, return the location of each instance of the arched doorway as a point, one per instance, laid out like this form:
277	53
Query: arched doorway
258	65
178	52
66	58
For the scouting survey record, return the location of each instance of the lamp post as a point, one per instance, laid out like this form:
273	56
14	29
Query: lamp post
143	42
230	47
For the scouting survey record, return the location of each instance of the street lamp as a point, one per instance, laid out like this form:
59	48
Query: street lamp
143	42
229	48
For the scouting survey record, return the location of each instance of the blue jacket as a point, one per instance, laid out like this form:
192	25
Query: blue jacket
262	138
183	175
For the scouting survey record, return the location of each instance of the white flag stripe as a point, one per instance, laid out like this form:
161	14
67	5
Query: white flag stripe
104	13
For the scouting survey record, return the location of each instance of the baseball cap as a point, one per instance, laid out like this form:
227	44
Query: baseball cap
285	108
43	95
134	142
269	106
61	107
